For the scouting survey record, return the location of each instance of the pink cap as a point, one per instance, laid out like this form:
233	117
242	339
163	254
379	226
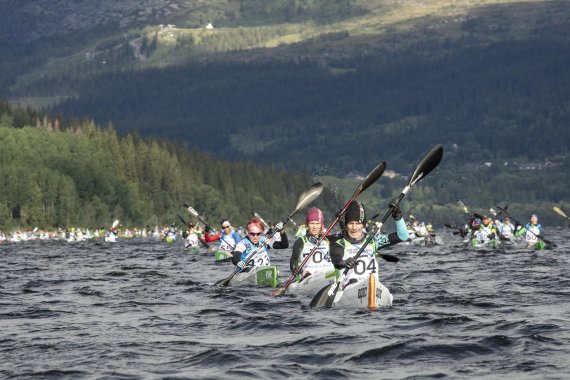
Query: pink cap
315	215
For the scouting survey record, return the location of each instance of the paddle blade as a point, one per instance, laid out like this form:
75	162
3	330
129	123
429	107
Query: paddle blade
225	282
427	164
320	299
278	292
390	258
115	223
371	177
560	212
191	209
309	195
260	218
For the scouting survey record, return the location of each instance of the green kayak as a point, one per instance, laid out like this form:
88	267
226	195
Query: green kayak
223	256
266	275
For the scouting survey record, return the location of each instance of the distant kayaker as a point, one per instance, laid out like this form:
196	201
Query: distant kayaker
483	231
532	232
344	250
320	261
255	240
227	237
190	237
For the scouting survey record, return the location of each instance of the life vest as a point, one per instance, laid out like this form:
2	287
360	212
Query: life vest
532	230
320	261
227	241
366	263
260	259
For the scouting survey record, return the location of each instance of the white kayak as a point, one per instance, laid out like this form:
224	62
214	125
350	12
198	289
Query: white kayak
366	293
310	285
265	275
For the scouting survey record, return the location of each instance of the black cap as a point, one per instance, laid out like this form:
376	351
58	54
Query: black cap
355	213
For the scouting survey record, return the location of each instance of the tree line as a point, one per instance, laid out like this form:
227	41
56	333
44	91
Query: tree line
54	174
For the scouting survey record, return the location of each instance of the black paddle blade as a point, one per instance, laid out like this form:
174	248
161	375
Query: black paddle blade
390	258
371	177
320	299
225	282
427	164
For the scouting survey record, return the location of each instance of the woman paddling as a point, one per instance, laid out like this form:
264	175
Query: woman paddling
344	250
228	237
253	241
532	232
191	240
320	261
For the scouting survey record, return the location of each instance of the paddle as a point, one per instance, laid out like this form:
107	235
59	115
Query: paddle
387	257
325	297
504	211
561	213
366	182
195	213
460	231
200	239
462	205
305	198
260	218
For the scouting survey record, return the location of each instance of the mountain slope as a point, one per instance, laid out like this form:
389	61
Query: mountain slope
379	79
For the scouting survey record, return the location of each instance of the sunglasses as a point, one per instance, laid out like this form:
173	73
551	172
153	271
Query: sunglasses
254	233
226	226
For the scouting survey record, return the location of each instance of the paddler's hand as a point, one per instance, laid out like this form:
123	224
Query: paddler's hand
296	270
395	206
241	264
492	236
279	227
348	263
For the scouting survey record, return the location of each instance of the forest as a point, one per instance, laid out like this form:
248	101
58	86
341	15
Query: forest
77	174
56	173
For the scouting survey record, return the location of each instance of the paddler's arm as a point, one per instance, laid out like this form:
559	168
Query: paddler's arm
337	253
237	252
297	248
284	243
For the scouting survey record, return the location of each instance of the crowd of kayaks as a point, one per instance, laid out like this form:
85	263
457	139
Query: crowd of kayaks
366	293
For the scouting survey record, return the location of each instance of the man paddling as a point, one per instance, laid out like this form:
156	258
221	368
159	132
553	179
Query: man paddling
344	250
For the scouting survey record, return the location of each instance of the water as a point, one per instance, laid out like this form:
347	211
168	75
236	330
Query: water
143	309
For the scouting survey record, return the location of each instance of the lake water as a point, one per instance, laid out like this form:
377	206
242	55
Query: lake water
143	309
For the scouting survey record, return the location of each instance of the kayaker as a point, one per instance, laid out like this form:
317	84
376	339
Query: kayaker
227	237
255	240
344	250
483	230
507	228
532	232
190	237
320	261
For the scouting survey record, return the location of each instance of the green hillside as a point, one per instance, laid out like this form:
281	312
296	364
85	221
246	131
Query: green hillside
332	87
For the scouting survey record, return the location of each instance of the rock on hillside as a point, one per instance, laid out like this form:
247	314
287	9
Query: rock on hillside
27	20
